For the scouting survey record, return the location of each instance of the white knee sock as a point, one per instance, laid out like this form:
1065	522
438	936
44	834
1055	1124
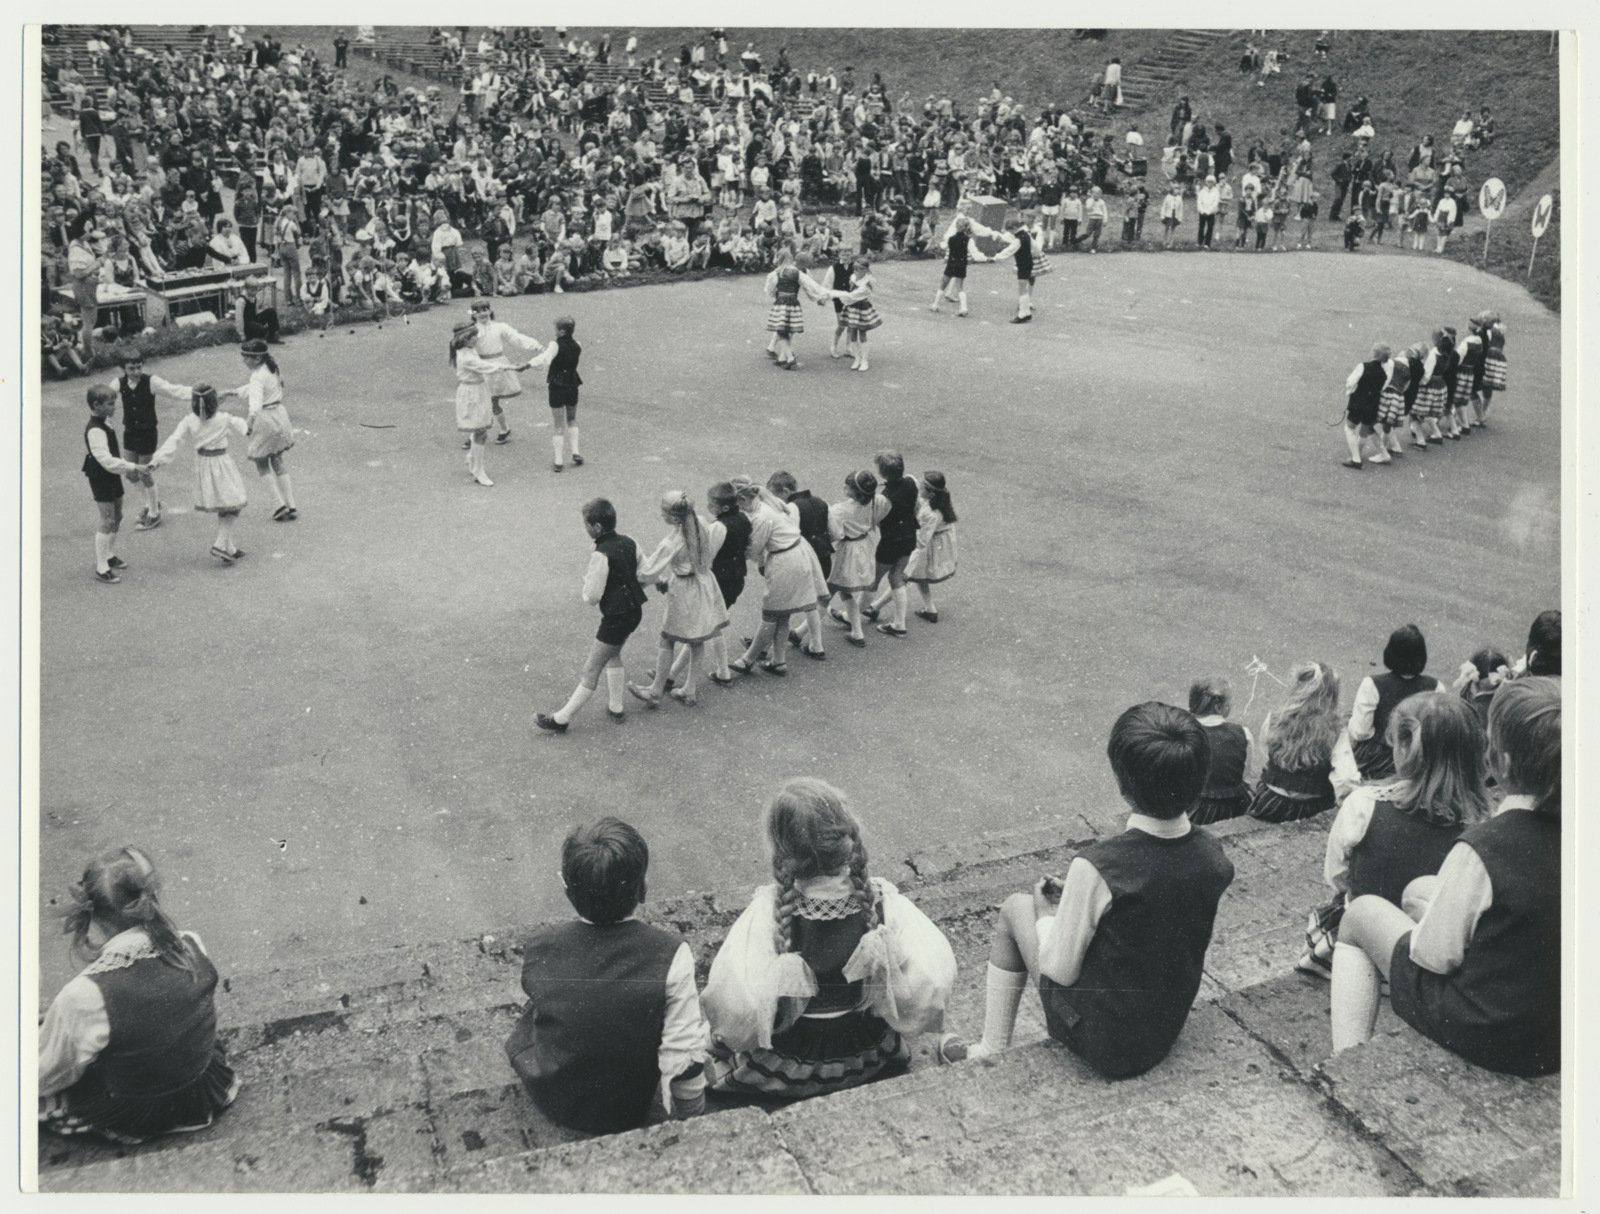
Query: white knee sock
1002	997
719	656
151	501
102	551
286	489
898	594
225	531
580	697
1354	1002
270	479
962	299
555	445
616	679
937	296
1352	438
811	628
572	439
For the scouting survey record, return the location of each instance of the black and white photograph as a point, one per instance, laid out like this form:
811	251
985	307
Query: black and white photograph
860	609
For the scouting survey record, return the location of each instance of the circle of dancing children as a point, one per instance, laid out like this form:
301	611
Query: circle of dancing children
495	339
828	968
270	431
611	582
140	425
218	487
694	612
1473	955
1117	948
128	1050
1402	825
474	407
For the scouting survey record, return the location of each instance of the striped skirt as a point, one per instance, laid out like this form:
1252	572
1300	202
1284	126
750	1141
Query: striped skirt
1391	407
1494	371
816	1056
87	1107
862	316
785	318
1430	400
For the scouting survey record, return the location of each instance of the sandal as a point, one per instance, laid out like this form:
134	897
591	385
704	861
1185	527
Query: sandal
720	681
687	699
816	655
645	694
869	613
839	616
858	642
781	669
889	630
740	666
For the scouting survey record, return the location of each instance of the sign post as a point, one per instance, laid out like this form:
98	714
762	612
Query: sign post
1541	221
1492	202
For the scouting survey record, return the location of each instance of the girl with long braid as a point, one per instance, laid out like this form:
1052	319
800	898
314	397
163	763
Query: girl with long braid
826	968
271	432
129	1049
694	613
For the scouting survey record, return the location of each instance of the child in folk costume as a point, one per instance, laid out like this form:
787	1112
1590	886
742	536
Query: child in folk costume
897	540
730	535
1494	366
1416	362
1364	387
218	488
1387	834
1455	392
1431	396
474	411
104	466
860	317
612	583
836	280
1299	737
812	513
694	612
496	339
128	1050
1479	971
934	561
562	382
1020	244
1225	793
1484	328
853	527
958	249
793	575
826	968
271	431
1393	411
1405	656
784	318
139	422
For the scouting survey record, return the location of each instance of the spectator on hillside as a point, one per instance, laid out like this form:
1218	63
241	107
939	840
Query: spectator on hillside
1461	132
1207	200
1111	86
1329	103
1483	130
1342	175
225	248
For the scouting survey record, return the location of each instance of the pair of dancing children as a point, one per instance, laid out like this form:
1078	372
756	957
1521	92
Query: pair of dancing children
1430	382
829	969
701	568
848	285
218	489
1022	244
487	354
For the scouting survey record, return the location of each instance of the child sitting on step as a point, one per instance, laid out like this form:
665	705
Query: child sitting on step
613	1015
1118	957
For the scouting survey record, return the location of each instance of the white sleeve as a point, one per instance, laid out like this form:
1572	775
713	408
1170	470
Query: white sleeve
1349	828
1440	941
165	452
749	978
101	450
1353	379
685	1036
1361	712
906	965
1085	897
594	578
75	1031
176	391
659	563
544	357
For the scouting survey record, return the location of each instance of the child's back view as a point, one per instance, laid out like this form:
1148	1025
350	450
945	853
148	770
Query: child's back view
1119	963
613	1012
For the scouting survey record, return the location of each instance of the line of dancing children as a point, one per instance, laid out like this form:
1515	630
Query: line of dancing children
1431	382
874	542
267	432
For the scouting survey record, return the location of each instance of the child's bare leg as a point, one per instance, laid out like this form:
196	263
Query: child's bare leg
780	641
1371	928
500	416
1483	409
854	612
1013	965
599	657
663	668
225	524
758	644
928	605
694	657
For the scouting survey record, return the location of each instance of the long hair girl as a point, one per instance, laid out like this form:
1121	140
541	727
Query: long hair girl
812	833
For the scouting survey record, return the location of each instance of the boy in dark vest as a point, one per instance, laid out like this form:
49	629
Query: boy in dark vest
1365	388
1118	957
613	1014
612	581
561	357
104	466
139	426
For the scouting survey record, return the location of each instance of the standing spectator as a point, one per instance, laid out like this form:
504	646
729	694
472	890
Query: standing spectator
286	252
1444	220
83	265
341	51
247	214
1342	175
1207	200
1182	115
1329	96
1095	215
1111	94
1171	214
312	174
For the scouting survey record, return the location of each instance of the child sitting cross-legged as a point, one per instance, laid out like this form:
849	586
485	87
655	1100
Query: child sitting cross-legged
1118	960
613	1015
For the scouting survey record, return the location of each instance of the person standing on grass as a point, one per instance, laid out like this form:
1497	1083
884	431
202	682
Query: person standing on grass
138	393
611	582
1207	201
1171	214
1444	220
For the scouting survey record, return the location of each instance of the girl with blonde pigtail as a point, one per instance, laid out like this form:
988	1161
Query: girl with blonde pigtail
826	968
694	613
1299	736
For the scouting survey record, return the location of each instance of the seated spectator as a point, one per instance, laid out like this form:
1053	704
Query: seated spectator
527	277
1298	738
505	273
826	968
317	296
1473	955
613	1016
1404	657
128	1050
1479	678
1483	130
58	347
252	322
700	251
1543	652
1118	947
675	249
1461	133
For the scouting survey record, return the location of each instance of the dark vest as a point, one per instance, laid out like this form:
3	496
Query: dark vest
958	249
900	523
1142	971
729	565
813	522
1373	755
163	1026
788	288
1398	848
827	945
1449	366
1229	746
563	372
1502	1008
102	482
138	404
622	594
586	1045
1024	255
1414	365
1370	386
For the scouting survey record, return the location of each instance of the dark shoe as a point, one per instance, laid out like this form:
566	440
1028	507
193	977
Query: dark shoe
645	694
292	515
557	467
225	557
720	681
740	666
116	562
467	446
109	576
618	717
148	522
781	669
796	639
577	460
816	655
1438	442
839	616
684	698
858	642
1351	463
505	437
869	613
281	514
236	553
889	630
931	616
544	721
